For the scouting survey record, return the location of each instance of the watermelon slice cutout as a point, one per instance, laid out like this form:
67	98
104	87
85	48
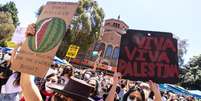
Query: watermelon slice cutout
41	32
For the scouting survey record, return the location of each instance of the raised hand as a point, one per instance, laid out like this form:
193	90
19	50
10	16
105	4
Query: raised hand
31	30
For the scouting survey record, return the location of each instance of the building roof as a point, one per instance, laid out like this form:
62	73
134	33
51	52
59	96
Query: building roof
117	21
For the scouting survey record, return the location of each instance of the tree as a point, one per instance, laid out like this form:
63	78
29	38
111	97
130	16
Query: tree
182	50
191	77
11	8
85	27
6	27
39	10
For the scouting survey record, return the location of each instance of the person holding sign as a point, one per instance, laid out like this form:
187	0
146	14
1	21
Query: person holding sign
134	93
32	93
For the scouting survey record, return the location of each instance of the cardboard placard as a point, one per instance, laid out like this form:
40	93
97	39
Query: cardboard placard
148	55
37	52
63	10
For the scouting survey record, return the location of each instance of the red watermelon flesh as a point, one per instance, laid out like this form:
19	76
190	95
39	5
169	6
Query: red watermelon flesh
41	32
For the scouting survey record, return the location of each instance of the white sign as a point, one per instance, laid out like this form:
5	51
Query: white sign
18	35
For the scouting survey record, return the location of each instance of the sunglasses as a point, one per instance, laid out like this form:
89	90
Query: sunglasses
132	98
60	97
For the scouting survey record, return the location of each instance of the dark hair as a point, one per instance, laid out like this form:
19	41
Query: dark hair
96	90
118	89
151	95
132	90
93	73
67	70
123	83
47	77
50	75
17	79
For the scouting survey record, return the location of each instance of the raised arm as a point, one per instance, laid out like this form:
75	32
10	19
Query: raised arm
112	91
29	88
154	87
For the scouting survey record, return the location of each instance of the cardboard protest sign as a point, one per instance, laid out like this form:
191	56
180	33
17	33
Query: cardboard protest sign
63	10
36	53
148	55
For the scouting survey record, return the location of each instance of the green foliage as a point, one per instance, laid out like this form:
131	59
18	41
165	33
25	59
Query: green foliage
39	10
11	8
6	27
191	74
182	49
85	26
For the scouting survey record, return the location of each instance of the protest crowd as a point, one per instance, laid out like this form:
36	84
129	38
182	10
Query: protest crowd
63	81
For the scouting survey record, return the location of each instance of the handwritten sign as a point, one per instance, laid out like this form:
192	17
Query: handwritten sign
37	52
148	55
63	10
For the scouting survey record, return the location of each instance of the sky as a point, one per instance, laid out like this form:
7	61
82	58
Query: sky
181	17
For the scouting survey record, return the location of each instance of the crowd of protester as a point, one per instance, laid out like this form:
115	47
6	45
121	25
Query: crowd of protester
104	87
64	82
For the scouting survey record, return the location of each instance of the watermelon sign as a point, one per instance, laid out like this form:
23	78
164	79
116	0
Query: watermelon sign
49	33
36	54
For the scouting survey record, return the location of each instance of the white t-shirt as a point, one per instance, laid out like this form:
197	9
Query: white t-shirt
9	88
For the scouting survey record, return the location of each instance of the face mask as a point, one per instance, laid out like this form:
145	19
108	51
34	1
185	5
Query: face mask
86	77
128	99
47	89
146	93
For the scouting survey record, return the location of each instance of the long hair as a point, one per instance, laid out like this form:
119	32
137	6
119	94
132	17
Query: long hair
67	70
132	90
17	79
47	77
97	87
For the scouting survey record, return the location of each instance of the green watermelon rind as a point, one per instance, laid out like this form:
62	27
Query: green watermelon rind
59	35
55	30
32	38
53	34
47	36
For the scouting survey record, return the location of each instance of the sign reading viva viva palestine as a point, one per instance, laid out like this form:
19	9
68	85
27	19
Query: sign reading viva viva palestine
36	54
148	55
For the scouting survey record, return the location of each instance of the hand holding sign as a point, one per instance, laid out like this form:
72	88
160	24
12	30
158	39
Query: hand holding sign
37	52
116	76
31	30
155	88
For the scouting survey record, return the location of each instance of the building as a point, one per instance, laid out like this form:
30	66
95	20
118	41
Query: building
110	41
108	44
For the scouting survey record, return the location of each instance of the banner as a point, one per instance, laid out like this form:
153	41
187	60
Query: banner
148	55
